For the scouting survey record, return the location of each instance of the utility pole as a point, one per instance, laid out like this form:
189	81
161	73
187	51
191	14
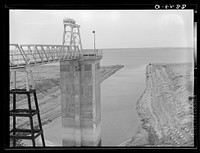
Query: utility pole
94	42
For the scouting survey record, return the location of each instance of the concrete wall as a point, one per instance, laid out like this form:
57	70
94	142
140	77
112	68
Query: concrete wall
80	102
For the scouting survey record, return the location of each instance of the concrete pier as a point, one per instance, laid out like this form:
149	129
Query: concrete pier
80	101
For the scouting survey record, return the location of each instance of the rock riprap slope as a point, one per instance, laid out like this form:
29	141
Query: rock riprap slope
166	107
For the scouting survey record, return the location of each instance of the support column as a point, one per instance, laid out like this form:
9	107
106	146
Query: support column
90	104
80	102
70	103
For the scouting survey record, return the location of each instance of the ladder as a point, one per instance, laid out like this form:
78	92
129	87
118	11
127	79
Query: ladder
29	112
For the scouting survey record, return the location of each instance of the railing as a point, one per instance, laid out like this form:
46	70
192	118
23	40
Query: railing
17	57
91	53
32	55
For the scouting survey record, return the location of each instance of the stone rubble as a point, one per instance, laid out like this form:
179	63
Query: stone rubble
166	107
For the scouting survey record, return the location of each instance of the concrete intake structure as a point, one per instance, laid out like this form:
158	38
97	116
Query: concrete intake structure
80	101
80	91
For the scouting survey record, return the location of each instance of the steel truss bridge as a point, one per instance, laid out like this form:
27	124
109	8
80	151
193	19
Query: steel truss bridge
23	56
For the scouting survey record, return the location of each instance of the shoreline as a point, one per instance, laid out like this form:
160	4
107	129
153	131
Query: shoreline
168	87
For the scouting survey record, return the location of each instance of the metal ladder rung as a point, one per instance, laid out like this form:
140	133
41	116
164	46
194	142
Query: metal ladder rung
25	134
23	112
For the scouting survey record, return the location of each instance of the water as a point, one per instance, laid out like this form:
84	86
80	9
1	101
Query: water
139	56
120	92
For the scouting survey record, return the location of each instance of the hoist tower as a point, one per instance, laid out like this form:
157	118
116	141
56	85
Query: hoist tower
71	35
80	92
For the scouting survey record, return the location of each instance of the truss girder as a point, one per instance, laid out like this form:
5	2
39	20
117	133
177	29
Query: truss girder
32	55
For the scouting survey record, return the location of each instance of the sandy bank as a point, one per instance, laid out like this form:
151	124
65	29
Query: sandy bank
166	107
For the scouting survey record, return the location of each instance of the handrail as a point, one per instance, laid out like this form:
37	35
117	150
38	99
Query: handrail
26	55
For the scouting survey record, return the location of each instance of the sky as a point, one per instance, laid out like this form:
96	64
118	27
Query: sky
113	28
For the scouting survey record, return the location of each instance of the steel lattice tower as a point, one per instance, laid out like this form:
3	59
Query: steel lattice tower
71	35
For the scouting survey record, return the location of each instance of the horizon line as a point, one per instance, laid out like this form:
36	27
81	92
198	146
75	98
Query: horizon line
144	47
